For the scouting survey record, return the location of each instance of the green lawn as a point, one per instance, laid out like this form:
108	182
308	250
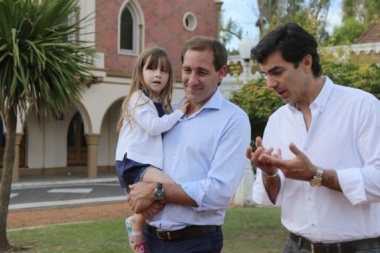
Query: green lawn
253	229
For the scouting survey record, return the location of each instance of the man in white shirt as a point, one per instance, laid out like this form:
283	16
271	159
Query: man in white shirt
319	159
204	153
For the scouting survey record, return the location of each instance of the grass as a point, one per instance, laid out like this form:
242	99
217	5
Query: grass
246	230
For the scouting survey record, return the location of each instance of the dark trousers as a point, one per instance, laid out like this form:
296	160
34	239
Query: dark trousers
292	247
206	243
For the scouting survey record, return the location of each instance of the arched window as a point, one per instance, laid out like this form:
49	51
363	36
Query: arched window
126	30
76	142
130	23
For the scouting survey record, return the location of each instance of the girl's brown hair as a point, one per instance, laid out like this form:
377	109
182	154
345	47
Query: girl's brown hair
152	56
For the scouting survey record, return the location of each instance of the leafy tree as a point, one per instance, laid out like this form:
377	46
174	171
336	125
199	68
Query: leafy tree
42	64
258	101
357	16
305	13
363	11
348	32
229	30
350	70
358	71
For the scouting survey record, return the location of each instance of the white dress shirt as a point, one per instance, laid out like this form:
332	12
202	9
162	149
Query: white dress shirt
142	141
205	154
344	135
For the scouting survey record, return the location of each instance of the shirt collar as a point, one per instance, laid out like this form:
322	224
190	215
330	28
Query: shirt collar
215	102
321	100
323	96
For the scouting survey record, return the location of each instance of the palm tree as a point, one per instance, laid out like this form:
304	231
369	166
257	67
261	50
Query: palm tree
42	63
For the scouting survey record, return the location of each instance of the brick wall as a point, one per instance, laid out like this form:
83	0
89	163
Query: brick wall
163	27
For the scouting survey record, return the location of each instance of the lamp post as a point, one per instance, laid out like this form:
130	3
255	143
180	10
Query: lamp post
245	47
243	196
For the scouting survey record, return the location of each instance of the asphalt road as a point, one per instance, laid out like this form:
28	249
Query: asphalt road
81	192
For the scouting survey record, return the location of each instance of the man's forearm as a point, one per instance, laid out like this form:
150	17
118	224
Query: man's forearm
176	195
330	180
141	196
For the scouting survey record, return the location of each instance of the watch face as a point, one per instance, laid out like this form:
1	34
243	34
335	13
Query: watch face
158	194
315	182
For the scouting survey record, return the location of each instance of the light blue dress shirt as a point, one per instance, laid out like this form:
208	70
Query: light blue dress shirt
205	154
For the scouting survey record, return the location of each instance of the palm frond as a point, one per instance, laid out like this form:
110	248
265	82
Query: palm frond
42	60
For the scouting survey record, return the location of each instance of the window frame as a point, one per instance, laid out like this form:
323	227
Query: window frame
137	33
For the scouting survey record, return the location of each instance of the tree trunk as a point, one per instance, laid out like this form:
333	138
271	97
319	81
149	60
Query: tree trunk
6	179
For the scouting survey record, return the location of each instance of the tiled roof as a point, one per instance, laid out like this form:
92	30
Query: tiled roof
372	34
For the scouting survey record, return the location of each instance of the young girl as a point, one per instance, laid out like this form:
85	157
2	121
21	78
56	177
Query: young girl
142	122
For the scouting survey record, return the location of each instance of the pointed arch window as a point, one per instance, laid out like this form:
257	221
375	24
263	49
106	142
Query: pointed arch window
128	30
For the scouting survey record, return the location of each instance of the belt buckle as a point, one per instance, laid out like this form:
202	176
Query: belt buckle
159	231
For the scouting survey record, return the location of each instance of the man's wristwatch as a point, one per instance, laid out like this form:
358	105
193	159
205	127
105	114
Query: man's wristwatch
159	193
317	179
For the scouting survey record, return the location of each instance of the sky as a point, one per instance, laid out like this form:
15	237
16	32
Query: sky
245	14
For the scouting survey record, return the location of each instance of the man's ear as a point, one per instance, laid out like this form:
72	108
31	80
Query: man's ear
307	61
222	73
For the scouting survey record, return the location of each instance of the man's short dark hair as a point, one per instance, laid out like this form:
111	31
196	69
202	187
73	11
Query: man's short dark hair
203	43
293	42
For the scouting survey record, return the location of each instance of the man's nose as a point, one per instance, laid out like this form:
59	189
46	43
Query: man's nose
193	78
272	82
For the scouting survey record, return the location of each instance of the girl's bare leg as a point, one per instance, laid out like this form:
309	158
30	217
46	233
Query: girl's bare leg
135	223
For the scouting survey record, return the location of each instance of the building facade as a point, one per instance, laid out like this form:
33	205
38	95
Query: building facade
83	139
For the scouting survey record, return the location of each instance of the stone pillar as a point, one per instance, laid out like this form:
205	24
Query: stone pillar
218	5
243	196
16	169
92	155
247	66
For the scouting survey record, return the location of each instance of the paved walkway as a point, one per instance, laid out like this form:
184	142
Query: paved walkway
47	191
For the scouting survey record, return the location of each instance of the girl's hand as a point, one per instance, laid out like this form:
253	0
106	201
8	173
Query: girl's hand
184	104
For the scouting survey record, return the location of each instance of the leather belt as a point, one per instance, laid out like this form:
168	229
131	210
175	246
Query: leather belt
187	232
343	247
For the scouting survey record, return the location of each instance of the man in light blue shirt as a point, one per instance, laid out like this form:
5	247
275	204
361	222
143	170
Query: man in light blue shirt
204	154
